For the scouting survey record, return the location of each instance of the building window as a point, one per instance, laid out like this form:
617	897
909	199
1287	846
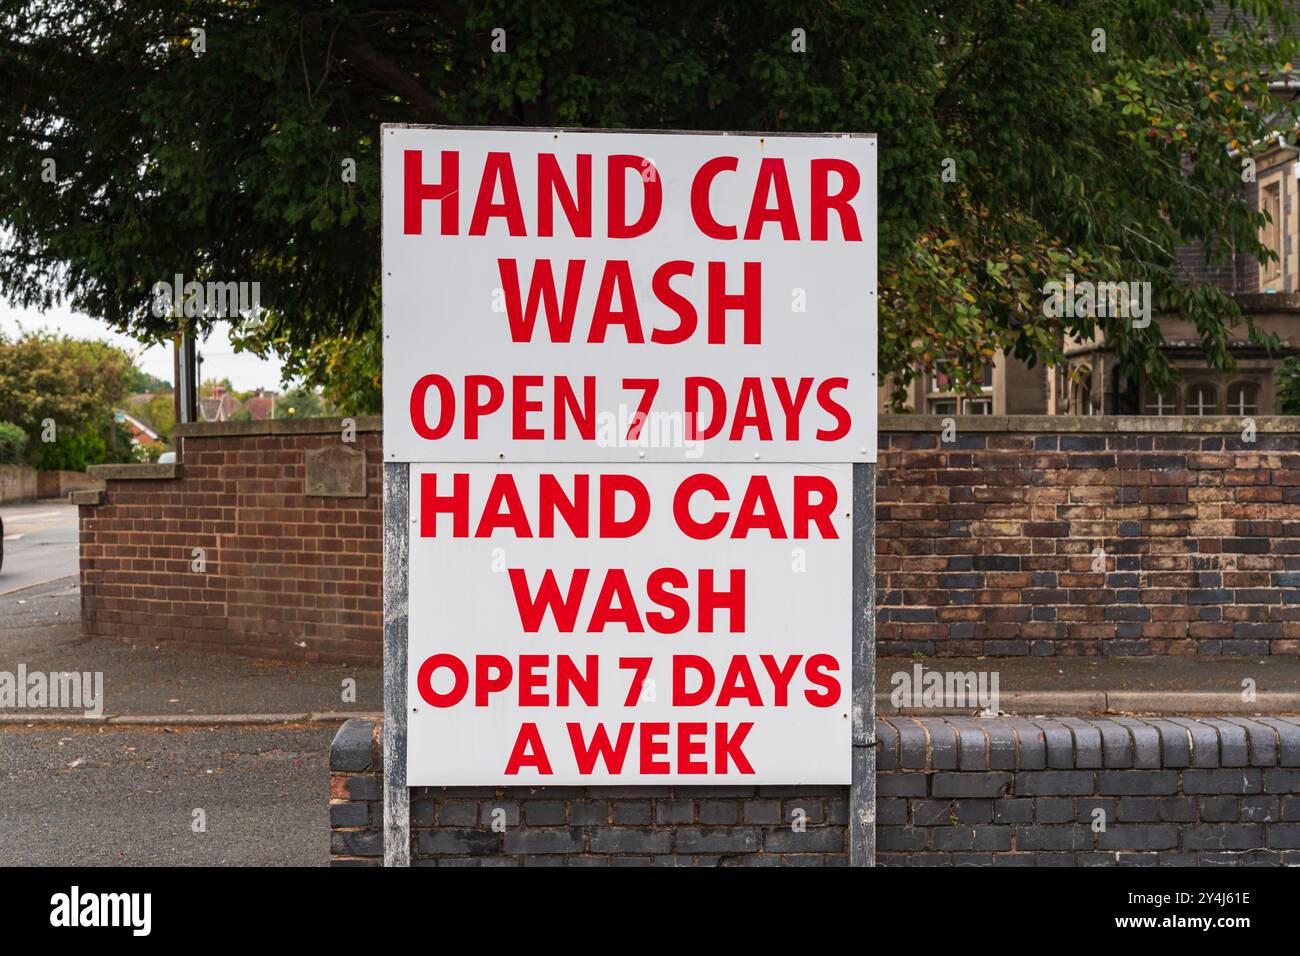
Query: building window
1201	400
1270	198
1163	403
1243	398
1081	391
938	379
943	399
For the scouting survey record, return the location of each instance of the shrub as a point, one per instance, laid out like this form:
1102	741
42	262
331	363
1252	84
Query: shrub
13	442
1288	386
72	452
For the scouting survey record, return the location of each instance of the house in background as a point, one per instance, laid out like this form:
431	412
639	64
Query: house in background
1010	387
141	434
261	404
1088	383
1269	295
219	406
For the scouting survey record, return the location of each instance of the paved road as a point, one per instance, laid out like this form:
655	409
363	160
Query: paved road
112	797
40	543
108	796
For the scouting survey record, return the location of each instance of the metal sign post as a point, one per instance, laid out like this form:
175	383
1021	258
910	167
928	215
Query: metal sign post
862	791
397	530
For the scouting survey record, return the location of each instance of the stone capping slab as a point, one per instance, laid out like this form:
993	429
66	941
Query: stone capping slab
93	496
1086	743
354	745
1095	424
134	472
277	426
1254	302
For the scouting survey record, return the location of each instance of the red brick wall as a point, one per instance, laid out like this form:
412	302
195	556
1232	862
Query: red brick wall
986	545
283	569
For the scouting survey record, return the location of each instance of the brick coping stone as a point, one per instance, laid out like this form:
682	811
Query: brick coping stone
1023	743
1085	743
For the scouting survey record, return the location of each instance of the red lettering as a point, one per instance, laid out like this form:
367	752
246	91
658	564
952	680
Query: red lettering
532	610
772	176
678	303
551	186
415	192
446	407
653	191
823	200
528	752
541	291
460	680
700	186
749	303
728	748
456	504
617	277
498	169
842	418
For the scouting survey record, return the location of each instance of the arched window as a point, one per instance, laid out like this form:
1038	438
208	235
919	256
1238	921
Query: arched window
1243	398
1202	399
1081	392
1162	403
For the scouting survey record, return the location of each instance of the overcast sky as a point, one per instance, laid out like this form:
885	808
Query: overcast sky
220	360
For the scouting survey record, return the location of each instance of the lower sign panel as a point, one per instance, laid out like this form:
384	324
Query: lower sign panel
578	624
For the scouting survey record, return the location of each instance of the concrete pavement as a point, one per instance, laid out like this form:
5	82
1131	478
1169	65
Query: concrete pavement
40	628
1120	685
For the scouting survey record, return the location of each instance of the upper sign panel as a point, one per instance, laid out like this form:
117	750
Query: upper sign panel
621	296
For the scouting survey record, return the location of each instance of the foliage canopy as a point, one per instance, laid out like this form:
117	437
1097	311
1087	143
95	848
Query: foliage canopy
226	163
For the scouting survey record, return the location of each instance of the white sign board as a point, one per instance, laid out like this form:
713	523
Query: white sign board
581	624
615	296
644	364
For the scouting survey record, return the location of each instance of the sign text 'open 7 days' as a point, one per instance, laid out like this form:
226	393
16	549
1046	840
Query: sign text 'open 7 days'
630	373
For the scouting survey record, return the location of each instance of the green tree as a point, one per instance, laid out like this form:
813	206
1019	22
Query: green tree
54	386
141	381
1288	386
87	446
13	442
227	163
302	401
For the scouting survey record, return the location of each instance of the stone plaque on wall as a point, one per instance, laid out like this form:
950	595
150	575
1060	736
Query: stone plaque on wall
335	471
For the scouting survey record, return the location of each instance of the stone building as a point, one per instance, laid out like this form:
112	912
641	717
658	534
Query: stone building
1087	383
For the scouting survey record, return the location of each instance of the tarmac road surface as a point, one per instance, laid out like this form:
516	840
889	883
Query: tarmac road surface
121	797
40	543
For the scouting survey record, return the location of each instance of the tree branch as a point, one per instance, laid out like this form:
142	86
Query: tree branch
385	73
